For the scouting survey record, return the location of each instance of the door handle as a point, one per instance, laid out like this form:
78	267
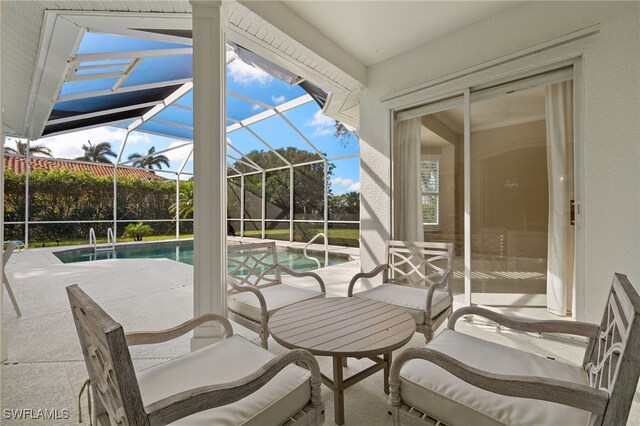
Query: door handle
572	212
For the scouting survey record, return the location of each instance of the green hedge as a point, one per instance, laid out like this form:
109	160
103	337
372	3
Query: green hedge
64	195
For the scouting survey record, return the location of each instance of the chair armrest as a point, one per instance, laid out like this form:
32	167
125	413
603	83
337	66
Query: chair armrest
293	273
192	401
558	391
375	271
159	336
431	289
536	326
254	290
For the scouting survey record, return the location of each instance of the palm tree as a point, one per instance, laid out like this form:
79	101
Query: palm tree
186	201
21	149
149	160
97	153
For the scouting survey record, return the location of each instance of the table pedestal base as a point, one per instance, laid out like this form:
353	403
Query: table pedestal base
339	383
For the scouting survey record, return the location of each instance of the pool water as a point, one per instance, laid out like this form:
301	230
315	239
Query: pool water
182	251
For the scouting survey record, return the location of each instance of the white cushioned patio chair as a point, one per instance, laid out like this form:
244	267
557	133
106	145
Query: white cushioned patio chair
231	382
462	380
417	277
255	287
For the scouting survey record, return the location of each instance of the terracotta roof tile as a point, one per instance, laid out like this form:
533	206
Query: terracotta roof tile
18	165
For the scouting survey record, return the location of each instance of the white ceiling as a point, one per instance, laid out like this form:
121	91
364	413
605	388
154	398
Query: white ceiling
373	31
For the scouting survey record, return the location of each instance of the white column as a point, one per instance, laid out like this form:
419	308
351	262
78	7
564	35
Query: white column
264	202
177	205
3	336
209	242
4	349
27	170
290	204
115	185
467	198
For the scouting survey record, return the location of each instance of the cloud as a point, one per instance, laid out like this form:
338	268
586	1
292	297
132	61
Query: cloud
178	155
69	145
324	125
321	120
255	107
323	131
278	99
346	183
245	74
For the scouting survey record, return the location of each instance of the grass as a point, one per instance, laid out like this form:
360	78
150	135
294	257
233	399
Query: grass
344	235
347	237
85	241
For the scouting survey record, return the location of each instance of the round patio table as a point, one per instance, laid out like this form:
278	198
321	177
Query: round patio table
342	327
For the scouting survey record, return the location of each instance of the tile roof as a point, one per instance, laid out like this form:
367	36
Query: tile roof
18	165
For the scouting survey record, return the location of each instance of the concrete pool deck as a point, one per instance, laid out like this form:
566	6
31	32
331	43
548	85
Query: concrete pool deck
45	368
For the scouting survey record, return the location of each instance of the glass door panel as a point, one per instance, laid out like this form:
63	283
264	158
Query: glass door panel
512	187
428	170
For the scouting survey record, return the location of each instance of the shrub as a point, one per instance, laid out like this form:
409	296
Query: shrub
137	231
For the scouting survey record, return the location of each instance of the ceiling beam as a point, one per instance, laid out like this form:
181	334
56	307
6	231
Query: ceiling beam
177	94
105	92
92	57
100	113
60	40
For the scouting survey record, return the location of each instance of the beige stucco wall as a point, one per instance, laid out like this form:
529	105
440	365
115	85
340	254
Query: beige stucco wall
608	157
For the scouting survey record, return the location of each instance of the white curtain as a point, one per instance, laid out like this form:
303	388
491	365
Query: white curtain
559	115
407	197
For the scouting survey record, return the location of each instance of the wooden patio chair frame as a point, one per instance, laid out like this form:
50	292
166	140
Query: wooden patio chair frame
117	398
412	264
611	359
260	269
11	246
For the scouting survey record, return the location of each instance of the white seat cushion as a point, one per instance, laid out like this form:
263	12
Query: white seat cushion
225	361
413	299
444	397
277	296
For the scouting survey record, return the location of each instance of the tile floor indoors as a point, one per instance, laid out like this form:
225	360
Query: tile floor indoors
45	367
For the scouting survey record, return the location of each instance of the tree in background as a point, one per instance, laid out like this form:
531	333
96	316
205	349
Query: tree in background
345	206
308	183
149	160
185	210
97	153
21	149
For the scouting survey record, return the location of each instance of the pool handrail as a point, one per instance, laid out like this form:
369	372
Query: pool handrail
326	250
111	239
94	242
92	239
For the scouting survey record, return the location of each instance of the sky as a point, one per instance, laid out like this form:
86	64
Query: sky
252	83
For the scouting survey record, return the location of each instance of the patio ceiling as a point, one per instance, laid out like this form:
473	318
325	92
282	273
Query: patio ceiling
140	80
373	31
39	36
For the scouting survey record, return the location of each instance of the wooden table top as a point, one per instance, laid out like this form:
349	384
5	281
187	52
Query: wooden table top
342	326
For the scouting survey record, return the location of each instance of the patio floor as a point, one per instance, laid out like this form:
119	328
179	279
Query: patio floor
45	368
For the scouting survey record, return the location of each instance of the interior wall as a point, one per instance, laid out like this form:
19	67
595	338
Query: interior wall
610	104
518	151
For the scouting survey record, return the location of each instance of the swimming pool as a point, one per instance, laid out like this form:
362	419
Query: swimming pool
182	251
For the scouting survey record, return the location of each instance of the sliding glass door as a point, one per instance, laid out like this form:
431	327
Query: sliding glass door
428	176
519	174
